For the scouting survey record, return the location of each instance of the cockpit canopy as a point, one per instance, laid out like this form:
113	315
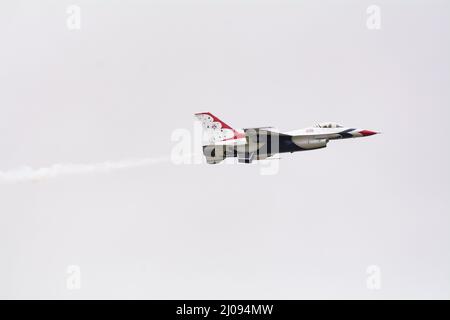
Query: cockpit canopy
328	125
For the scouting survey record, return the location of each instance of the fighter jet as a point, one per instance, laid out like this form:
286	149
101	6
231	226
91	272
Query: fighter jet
222	141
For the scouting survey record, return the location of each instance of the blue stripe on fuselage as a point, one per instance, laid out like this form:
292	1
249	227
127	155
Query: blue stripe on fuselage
345	134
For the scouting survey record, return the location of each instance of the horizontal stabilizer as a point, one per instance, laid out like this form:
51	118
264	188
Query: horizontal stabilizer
246	157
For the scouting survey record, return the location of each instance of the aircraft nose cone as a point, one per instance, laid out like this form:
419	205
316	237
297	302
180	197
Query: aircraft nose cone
366	133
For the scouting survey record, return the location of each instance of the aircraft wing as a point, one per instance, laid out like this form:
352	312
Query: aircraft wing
263	131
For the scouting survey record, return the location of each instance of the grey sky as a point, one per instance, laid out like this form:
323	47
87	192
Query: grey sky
137	70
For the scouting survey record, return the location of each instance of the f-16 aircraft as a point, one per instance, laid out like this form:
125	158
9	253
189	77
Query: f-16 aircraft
222	141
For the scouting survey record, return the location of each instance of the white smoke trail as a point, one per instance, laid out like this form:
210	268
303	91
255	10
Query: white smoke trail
27	173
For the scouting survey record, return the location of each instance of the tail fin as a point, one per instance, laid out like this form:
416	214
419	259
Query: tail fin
216	130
